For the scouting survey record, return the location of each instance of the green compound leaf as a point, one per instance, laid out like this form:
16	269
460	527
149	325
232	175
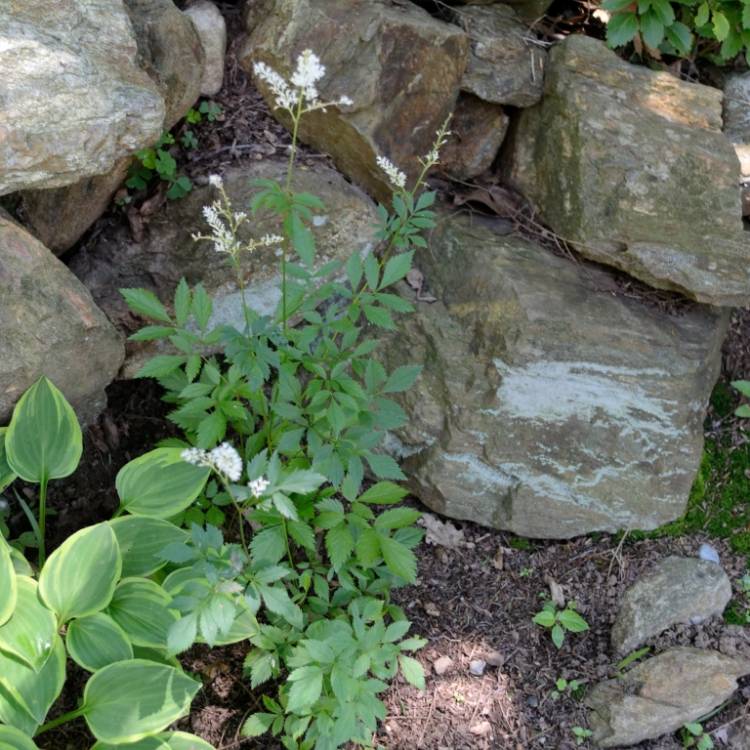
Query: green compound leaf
44	439
145	303
129	700
80	576
159	483
142	540
94	642
622	27
412	671
30	633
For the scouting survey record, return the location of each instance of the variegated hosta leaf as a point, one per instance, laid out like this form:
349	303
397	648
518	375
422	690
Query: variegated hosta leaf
80	576
8	587
97	640
13	739
141	541
7	475
141	608
28	635
164	741
159	483
25	695
44	439
130	700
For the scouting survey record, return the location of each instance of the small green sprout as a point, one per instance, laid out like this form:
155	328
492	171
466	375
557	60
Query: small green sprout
557	621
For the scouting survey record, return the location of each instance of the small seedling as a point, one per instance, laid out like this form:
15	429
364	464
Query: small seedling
526	572
158	161
581	734
630	658
563	686
743	386
693	735
557	621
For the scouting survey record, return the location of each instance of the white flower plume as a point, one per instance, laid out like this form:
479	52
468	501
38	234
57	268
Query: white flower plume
258	486
225	459
302	87
395	175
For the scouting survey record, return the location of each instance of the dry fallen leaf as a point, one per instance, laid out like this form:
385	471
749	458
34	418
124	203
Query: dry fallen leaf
481	728
555	591
442	533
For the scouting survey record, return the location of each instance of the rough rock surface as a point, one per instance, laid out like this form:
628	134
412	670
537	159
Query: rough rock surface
212	30
630	165
661	694
400	66
167	252
676	590
550	405
50	326
74	101
528	10
170	50
505	66
477	131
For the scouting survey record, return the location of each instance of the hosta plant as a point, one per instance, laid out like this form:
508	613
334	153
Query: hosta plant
288	412
91	601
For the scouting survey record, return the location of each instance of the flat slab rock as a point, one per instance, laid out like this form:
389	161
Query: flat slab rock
167	251
676	590
549	404
51	326
632	167
74	98
661	694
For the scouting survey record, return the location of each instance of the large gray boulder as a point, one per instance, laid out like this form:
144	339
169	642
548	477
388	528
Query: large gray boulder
550	403
400	66
505	65
676	590
170	50
529	10
662	694
74	100
212	30
631	166
167	251
51	327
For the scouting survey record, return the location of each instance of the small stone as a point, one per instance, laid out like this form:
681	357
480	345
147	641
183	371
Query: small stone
477	667
481	728
661	694
431	609
495	659
442	665
676	590
707	552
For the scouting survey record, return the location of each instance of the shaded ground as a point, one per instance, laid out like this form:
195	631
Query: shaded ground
472	601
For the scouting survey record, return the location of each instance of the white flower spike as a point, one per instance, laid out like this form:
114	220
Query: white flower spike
195	456
395	175
227	461
258	486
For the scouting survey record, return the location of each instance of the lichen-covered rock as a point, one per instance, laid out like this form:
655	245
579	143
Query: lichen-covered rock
676	590
51	327
550	405
212	30
74	101
168	252
662	694
505	66
630	165
477	131
170	50
400	66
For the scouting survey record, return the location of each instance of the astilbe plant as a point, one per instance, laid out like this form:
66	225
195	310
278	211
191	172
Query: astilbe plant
288	417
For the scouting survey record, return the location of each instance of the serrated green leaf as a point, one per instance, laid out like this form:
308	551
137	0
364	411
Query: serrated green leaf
339	545
412	671
383	493
146	303
399	559
621	29
257	725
